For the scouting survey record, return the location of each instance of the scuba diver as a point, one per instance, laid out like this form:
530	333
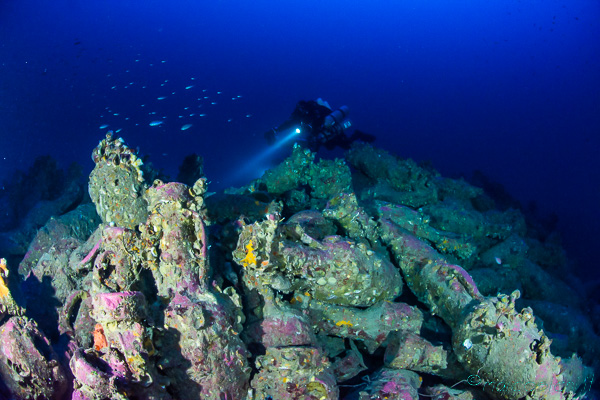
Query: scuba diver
318	125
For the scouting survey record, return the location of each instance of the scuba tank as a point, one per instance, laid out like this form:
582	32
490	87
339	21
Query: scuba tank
334	124
336	117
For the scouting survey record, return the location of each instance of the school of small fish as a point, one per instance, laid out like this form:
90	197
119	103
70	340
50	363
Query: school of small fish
161	105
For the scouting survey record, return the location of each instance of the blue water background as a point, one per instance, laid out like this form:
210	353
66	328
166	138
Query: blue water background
511	88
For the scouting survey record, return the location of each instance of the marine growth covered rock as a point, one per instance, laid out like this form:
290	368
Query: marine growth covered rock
371	278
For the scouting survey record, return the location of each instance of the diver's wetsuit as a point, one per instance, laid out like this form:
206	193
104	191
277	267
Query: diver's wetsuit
309	117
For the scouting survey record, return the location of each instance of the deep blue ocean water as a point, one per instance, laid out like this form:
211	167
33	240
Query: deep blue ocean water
510	88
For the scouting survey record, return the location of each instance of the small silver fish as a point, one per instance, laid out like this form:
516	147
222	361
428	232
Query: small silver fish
186	127
103	126
156	123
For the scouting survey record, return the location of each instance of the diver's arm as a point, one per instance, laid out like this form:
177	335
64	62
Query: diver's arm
275	133
289	124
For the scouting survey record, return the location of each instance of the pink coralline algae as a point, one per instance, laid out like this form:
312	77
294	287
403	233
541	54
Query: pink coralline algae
317	281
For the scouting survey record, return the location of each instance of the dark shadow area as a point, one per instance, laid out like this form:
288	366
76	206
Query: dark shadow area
191	169
44	180
42	305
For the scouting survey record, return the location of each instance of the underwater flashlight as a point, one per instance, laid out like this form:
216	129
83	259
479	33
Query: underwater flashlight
260	159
